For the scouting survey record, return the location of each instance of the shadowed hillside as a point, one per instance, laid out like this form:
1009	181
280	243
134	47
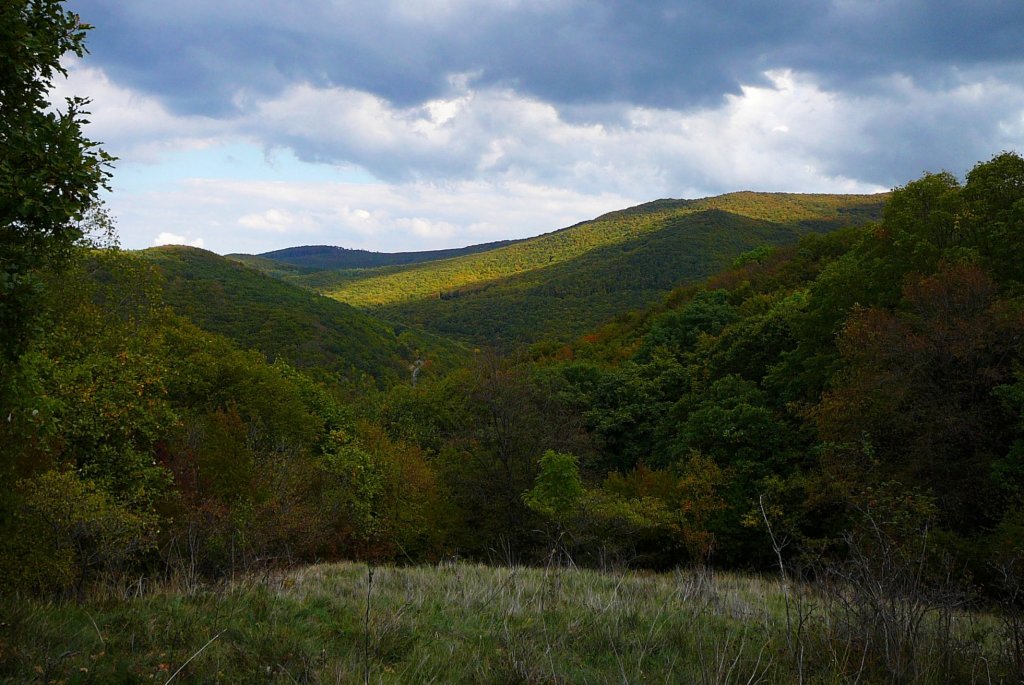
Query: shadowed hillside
310	331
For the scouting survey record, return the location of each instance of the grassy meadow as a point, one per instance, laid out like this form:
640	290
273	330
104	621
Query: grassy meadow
467	623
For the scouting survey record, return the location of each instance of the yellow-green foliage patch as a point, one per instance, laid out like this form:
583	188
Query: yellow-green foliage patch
562	283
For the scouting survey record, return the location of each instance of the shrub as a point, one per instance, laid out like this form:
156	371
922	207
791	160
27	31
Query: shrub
65	530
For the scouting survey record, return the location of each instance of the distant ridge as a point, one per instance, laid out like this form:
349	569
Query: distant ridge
328	257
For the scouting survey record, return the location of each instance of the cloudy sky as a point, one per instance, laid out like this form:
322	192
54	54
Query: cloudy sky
251	125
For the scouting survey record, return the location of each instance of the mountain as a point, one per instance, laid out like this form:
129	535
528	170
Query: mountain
560	284
310	331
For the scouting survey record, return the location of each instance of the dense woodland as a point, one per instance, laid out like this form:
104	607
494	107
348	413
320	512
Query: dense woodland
849	405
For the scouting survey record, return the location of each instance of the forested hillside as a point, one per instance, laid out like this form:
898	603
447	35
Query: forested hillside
560	284
134	439
868	377
878	360
319	335
850	405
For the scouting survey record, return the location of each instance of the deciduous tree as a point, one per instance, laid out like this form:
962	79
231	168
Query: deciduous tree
50	172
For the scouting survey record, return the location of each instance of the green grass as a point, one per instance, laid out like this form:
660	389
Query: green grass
452	623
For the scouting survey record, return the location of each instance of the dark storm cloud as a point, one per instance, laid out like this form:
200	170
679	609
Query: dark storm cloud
927	40
196	55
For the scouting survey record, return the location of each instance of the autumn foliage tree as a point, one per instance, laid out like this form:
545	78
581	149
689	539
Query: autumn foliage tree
919	385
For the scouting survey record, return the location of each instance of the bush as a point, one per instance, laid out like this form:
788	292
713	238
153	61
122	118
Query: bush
66	530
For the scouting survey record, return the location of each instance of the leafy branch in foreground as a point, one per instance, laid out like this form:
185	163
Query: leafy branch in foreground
50	173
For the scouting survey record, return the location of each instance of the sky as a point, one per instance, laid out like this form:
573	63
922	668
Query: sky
254	125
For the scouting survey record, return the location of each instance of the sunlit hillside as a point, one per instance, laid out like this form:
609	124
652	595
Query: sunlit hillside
560	284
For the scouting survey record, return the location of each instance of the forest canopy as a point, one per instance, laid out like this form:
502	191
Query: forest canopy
865	372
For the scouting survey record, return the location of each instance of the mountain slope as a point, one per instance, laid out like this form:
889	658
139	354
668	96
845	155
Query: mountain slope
282	320
560	284
565	300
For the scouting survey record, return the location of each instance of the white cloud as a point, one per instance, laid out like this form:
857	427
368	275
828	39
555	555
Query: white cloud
166	238
390	217
767	137
131	126
490	163
425	228
275	221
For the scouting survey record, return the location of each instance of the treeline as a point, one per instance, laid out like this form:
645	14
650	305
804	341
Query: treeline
328	257
565	300
562	284
747	218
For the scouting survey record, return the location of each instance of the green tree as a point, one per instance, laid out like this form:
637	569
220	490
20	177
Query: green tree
1009	471
68	530
50	173
707	314
557	489
918	384
922	216
994	216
